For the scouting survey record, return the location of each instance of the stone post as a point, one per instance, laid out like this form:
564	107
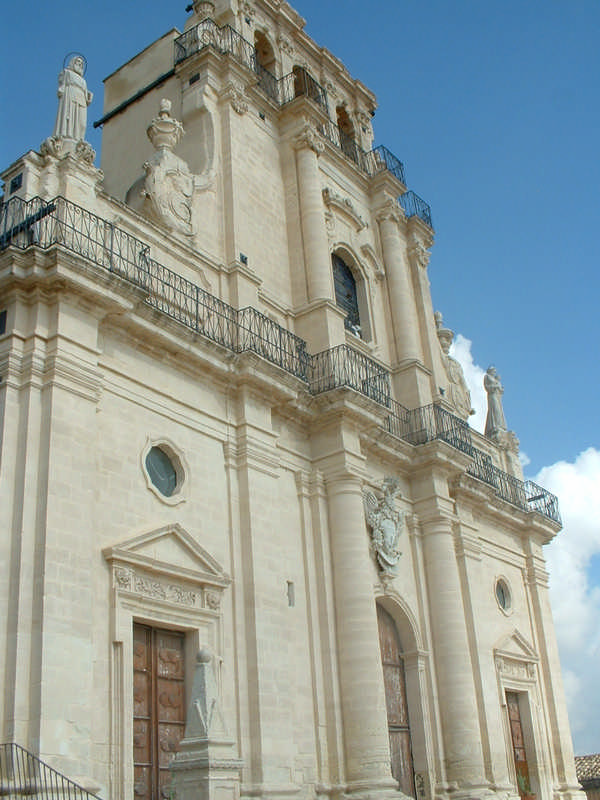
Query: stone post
317	259
206	766
361	677
454	670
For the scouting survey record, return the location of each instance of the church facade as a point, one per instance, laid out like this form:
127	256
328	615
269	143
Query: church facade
250	542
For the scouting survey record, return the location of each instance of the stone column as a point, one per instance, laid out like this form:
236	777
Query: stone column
456	689
317	258
361	676
402	299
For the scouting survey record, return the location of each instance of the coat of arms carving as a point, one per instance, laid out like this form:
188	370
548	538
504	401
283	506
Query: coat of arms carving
386	524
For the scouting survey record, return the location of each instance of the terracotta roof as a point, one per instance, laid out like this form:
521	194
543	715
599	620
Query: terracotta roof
588	767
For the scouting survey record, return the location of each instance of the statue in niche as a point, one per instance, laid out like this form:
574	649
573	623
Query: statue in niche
169	184
73	101
458	391
386	526
495	414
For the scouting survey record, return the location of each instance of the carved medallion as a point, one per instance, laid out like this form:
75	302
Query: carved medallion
386	525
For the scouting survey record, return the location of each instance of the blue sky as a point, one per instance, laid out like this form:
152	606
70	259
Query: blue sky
494	109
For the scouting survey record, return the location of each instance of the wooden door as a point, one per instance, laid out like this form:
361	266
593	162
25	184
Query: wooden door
518	743
158	708
396	702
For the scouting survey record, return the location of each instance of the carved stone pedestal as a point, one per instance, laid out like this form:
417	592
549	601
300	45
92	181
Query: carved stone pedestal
206	766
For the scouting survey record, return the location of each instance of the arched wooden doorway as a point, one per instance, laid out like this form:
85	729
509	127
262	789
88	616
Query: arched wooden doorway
396	702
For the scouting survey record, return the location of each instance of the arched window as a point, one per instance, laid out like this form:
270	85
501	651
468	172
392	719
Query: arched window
396	703
346	296
264	52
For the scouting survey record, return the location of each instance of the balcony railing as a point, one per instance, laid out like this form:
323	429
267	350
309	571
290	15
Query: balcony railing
59	222
23	774
414	206
343	366
227	40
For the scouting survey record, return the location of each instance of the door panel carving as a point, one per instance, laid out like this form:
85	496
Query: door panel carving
396	702
158	708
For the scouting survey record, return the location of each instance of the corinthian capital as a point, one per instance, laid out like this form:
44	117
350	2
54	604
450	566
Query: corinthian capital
419	253
308	137
390	211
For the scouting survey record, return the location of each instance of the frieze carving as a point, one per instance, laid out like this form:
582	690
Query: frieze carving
515	668
308	137
129	580
168	185
386	525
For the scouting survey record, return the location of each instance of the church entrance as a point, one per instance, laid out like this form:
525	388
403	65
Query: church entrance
396	702
518	743
158	708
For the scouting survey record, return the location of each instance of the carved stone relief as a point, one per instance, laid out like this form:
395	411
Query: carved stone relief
386	524
168	185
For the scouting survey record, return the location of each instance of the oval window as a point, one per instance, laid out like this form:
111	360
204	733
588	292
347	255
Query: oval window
161	471
503	595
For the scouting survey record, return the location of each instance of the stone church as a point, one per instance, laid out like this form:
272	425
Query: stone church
251	547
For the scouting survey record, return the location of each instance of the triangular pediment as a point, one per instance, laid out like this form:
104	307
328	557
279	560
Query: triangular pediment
516	646
169	550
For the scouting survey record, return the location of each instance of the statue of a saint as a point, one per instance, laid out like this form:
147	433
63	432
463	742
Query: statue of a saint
458	391
73	101
495	415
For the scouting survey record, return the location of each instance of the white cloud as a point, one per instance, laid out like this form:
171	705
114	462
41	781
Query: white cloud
460	349
574	597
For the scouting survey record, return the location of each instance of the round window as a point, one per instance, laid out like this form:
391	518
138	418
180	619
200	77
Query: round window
503	595
161	471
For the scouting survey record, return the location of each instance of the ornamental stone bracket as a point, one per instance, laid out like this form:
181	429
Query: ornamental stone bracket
345	207
386	524
235	93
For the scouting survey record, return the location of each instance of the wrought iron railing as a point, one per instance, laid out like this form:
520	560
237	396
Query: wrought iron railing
526	495
380	159
343	366
226	40
424	424
415	206
59	222
24	775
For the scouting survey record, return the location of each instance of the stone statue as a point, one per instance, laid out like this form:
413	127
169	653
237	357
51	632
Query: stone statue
495	415
169	184
458	391
386	525
73	101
